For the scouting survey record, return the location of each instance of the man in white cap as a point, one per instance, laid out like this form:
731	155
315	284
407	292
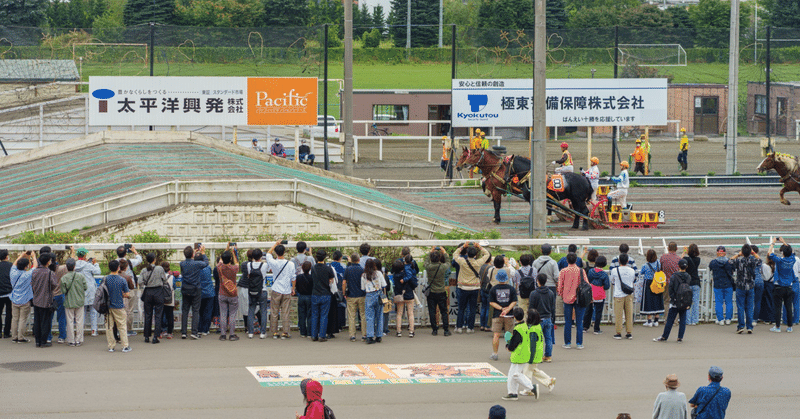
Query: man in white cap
502	298
711	401
277	149
670	404
257	147
305	153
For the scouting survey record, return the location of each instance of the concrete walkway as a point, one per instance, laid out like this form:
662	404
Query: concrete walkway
207	378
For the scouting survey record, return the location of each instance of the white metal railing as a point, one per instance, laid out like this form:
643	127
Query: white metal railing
381	139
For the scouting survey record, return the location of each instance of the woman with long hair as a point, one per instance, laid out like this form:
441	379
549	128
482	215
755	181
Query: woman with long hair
373	283
153	278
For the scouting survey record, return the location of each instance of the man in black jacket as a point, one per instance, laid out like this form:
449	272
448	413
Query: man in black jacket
543	299
305	153
678	278
5	292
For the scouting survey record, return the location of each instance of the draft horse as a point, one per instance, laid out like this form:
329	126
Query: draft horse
787	167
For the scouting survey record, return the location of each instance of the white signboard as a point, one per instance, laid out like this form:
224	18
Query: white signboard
570	102
202	101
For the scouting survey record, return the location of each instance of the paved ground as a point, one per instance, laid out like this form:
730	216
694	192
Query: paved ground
207	378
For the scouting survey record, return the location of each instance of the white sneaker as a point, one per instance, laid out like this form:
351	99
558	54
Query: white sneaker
249	335
470	330
459	330
727	322
655	324
94	332
647	324
552	384
493	357
262	336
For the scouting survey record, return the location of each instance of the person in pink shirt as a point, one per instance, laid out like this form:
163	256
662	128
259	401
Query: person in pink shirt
568	280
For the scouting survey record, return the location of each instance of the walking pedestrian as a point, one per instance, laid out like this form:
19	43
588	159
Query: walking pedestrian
683	151
312	397
537	348
711	401
678	278
522	352
670	404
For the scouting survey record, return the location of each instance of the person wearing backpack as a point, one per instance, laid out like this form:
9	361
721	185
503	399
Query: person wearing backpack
692	256
503	299
526	278
315	404
652	303
681	300
598	279
404	284
257	296
191	270
486	285
623	278
543	299
745	264
283	288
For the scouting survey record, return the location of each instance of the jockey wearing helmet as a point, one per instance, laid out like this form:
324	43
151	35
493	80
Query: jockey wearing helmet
593	174
621	191
565	161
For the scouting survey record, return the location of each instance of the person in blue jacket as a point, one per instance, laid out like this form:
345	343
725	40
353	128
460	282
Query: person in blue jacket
722	272
598	277
783	295
404	285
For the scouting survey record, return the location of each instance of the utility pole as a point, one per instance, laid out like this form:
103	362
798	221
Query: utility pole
408	26
537	226
441	20
452	130
325	100
152	49
768	86
733	91
615	133
347	112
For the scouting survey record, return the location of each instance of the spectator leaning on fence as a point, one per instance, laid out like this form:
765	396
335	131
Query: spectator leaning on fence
436	265
283	288
722	274
468	284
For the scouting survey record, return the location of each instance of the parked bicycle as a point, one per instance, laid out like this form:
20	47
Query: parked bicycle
379	132
630	132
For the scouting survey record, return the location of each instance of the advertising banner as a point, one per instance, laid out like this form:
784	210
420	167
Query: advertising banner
202	101
570	102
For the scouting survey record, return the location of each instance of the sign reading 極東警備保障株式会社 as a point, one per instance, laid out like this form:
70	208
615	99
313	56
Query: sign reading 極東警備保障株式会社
569	102
202	101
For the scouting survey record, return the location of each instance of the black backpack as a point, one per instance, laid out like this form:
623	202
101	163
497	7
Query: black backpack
327	410
683	299
584	297
527	283
255	279
101	298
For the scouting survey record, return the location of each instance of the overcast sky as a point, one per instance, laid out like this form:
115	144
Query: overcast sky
372	3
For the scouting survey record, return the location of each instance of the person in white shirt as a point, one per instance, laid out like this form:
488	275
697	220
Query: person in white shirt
593	174
282	289
373	283
623	302
620	193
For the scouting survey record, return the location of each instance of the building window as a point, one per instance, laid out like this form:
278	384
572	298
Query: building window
390	112
761	104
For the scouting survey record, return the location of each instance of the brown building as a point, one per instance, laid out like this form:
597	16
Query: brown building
700	108
784	98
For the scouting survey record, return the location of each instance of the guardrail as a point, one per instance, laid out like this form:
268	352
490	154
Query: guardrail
706	181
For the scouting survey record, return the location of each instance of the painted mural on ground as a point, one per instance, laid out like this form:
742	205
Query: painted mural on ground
366	374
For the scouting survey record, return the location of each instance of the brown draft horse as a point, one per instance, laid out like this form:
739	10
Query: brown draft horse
493	171
788	167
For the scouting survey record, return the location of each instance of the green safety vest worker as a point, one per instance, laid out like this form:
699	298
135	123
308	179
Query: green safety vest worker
522	353
538	348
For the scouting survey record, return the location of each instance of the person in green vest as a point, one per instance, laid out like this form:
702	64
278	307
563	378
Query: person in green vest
537	349
519	343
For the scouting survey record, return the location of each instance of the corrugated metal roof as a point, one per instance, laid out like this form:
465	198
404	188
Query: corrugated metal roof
39	71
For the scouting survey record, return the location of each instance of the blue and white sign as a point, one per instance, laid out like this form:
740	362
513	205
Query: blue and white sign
570	102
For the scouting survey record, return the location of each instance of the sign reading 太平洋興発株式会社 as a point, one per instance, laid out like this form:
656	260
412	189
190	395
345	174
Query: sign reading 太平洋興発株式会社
569	102
202	101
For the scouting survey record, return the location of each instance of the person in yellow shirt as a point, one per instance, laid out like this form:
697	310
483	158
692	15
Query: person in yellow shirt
484	141
639	157
565	161
475	141
683	153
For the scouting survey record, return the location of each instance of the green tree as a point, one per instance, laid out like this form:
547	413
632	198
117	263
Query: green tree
712	19
286	13
464	15
362	20
24	12
423	12
372	39
220	13
75	13
574	5
680	17
506	14
326	11
594	18
784	13
556	14
645	16
138	12
378	20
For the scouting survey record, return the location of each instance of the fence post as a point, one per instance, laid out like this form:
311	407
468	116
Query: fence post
355	147
380	148
430	145
41	125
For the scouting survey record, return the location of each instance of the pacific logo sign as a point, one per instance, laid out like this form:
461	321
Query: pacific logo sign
290	102
282	101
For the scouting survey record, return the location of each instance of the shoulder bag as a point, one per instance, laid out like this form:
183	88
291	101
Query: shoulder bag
625	288
426	290
695	413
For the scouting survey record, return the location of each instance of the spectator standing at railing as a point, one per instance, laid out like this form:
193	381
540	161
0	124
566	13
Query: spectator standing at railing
303	254
486	285
226	270
503	299
404	284
722	273
692	256
543	299
129	302
468	284
167	316
258	308
652	304
283	288
354	297
208	295
758	290
796	291
241	287
191	270
436	265
323	277
568	281
678	278
89	269
767	300
304	285
364	249
153	279
5	293
562	263
21	295
623	303
73	286
544	264
598	278
374	285
784	278
745	264
525	280
669	265
118	290
336	311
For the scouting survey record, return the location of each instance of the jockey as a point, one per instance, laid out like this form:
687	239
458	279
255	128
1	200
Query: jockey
639	157
475	142
565	161
621	190
484	141
593	174
445	153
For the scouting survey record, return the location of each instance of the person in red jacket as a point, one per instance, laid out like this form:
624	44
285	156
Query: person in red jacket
312	396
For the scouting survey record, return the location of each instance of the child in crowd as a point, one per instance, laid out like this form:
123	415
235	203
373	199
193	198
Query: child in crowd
518	343
537	351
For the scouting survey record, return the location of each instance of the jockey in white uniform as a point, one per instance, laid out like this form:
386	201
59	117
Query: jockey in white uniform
565	161
621	190
593	174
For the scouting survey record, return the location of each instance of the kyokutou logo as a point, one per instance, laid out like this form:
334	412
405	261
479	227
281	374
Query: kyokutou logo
291	102
477	102
103	95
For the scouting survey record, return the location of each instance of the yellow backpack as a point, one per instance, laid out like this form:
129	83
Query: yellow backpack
659	283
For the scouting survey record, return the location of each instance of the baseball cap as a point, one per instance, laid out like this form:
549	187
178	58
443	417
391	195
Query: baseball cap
720	248
715	372
683	264
501	277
